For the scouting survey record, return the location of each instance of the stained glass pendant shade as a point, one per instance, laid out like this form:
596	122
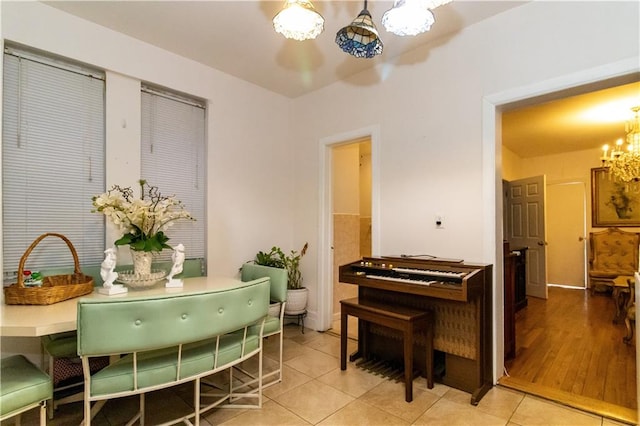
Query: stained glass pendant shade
360	38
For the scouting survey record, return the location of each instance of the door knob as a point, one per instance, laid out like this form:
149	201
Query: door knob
542	243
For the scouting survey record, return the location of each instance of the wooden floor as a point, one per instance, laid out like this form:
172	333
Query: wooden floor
569	344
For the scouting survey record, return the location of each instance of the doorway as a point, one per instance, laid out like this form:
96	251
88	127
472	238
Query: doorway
492	117
566	230
326	257
352	230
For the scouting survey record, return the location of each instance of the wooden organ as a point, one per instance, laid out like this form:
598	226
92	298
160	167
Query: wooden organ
458	294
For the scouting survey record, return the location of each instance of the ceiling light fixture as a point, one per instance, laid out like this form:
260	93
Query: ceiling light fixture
410	17
624	164
298	20
360	38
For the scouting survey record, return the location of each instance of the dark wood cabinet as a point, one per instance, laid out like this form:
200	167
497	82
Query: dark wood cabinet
520	277
509	305
515	294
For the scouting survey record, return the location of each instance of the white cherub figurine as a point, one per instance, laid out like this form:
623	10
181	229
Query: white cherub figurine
109	275
178	260
107	267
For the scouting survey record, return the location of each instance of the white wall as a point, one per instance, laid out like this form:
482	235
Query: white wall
561	168
346	179
250	176
429	109
249	166
511	165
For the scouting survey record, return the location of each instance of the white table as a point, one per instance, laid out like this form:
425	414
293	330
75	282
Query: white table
40	320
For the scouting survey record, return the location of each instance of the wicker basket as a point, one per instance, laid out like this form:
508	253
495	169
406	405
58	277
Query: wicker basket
55	288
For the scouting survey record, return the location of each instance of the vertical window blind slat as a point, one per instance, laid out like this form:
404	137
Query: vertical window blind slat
53	163
173	158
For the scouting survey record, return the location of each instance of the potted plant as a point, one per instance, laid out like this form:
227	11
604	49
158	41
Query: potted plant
271	259
296	294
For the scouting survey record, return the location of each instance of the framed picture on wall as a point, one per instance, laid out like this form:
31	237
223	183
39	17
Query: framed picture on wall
612	203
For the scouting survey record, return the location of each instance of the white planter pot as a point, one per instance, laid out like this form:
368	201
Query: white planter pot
274	309
296	301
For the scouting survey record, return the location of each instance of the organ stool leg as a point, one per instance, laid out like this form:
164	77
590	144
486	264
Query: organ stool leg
408	362
429	348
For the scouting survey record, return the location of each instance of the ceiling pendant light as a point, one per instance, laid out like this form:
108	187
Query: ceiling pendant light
410	17
298	20
360	38
432	4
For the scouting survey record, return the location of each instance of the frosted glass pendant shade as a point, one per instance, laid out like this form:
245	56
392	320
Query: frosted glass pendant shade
298	20
432	4
408	17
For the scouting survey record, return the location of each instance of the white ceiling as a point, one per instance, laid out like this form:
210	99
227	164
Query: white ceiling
237	37
572	122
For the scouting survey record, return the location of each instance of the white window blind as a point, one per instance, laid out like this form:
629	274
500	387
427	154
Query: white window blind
173	159
52	161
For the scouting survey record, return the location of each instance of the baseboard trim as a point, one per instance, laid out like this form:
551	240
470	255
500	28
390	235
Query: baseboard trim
595	406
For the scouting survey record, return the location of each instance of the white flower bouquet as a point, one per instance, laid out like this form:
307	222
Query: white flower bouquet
141	220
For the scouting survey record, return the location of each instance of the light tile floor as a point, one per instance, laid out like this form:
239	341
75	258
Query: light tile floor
315	392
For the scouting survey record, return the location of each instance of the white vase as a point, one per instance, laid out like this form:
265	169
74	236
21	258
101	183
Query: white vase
296	301
141	263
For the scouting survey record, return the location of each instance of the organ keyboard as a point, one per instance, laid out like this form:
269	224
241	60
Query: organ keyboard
460	296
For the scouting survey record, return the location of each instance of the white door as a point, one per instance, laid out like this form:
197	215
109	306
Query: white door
566	249
525	206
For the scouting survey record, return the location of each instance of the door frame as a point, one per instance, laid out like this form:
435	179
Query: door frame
492	105
325	215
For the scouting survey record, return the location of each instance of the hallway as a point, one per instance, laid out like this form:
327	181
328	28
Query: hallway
568	347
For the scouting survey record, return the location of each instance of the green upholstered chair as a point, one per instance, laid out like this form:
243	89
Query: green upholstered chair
273	324
167	340
61	348
23	386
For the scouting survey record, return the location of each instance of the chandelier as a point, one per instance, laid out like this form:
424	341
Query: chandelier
624	162
298	20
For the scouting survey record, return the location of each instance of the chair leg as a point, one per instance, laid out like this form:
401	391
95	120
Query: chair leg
87	412
142	409
279	379
50	405
43	413
629	337
196	401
